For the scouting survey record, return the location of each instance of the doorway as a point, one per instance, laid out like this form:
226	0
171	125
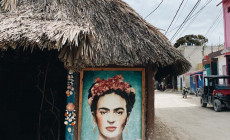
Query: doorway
32	95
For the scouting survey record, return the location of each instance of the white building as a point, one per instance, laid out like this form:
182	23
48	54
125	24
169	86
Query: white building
194	54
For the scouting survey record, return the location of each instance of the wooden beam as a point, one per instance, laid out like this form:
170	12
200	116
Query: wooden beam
150	108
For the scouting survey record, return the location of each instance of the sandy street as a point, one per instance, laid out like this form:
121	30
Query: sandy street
184	119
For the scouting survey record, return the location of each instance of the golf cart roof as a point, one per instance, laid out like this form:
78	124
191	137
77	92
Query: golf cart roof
217	76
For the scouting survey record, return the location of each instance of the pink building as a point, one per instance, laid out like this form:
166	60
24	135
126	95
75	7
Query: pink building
226	13
226	16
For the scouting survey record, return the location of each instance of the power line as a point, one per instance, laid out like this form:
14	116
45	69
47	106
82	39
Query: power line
154	9
186	19
216	19
195	15
174	16
180	14
199	11
216	25
197	46
214	22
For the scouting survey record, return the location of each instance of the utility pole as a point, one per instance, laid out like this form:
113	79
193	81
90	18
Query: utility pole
203	47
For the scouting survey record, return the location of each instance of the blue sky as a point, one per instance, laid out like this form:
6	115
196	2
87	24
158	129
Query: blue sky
163	16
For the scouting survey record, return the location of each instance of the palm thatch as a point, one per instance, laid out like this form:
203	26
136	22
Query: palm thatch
88	33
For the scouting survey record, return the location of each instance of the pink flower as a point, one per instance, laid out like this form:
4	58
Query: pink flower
97	79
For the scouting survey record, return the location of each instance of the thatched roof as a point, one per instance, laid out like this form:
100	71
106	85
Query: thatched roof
88	33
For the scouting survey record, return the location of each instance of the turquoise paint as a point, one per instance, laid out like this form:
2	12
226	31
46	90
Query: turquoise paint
70	99
214	68
207	69
135	120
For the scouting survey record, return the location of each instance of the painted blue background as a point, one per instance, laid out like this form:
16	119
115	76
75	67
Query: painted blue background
135	119
70	99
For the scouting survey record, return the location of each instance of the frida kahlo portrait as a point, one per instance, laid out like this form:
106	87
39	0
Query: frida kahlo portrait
111	99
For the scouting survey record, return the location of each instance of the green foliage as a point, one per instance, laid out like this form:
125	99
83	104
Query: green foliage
197	40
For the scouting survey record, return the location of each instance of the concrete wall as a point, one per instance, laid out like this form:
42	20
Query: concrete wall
195	54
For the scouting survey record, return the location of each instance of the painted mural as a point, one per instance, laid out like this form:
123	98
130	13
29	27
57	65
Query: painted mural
111	105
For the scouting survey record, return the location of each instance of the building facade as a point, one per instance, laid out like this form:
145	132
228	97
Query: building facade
226	19
226	14
194	54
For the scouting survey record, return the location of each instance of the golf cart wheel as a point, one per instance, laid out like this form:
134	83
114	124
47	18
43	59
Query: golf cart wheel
202	103
217	105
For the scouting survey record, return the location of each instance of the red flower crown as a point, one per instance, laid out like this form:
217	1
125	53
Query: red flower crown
115	83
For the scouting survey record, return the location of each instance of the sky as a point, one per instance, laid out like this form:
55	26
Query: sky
206	23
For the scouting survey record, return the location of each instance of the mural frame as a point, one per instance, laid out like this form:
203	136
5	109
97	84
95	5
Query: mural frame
143	103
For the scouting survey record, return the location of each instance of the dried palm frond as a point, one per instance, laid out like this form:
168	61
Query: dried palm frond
89	33
8	5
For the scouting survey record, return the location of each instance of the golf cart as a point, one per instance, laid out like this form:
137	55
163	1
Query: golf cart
216	92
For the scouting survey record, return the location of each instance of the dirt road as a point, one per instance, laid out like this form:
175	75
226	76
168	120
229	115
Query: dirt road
184	119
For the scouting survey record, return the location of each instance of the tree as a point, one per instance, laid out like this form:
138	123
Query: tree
197	40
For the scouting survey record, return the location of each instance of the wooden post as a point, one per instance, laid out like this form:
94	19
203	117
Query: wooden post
77	87
174	82
150	108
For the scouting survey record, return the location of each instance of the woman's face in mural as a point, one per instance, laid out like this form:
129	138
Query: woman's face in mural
111	115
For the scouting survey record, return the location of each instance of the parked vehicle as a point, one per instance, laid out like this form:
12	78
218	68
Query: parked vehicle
185	92
216	92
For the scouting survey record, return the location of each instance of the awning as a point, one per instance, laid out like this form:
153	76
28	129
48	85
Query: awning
226	51
194	72
198	75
